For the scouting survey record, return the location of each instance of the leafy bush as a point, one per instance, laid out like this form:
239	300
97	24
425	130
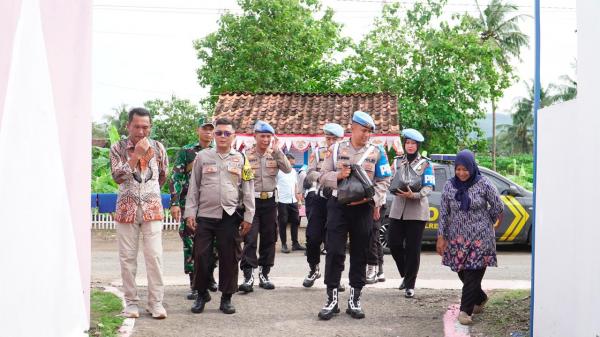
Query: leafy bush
518	168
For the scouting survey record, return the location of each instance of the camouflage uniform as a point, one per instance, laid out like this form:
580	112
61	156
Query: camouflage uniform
178	186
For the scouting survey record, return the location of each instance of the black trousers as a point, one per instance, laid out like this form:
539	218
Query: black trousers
375	256
316	212
265	224
226	231
404	238
472	294
356	221
288	213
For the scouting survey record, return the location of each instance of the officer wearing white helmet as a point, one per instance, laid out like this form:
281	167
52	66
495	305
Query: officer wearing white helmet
315	197
410	208
355	218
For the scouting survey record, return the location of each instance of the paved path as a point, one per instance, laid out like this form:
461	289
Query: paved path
291	310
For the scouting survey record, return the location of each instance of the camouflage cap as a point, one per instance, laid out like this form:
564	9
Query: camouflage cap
203	121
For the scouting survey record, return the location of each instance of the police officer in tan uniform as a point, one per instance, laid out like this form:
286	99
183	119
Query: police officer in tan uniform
219	204
315	197
355	219
266	159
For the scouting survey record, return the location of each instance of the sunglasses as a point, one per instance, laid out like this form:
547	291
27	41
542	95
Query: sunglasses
220	133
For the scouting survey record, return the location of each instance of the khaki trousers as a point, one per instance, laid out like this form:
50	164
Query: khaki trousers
128	236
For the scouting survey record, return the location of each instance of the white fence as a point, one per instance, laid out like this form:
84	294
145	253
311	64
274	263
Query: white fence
106	221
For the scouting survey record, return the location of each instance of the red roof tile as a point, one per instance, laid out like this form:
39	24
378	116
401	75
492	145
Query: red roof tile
292	113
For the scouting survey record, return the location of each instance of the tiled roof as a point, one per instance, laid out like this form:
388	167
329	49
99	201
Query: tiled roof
291	113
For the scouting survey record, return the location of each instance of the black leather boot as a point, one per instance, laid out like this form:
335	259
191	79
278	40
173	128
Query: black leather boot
226	306
200	302
248	285
312	276
354	308
331	306
192	295
263	278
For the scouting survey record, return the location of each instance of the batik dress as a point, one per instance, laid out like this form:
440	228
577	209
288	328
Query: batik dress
470	234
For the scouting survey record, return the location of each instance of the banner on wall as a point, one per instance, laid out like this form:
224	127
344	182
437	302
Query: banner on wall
303	143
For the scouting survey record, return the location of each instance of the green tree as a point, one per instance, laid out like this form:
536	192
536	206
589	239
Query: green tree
500	27
518	137
274	45
566	91
440	71
173	122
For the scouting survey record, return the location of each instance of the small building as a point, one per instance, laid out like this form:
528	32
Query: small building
298	119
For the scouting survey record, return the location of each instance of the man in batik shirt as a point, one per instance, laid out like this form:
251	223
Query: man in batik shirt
139	167
178	186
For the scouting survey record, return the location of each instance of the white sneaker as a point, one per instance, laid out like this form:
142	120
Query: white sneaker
409	293
371	274
380	277
131	311
158	311
464	319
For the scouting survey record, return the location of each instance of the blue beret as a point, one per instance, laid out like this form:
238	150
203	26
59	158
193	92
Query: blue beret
334	129
263	127
413	134
363	119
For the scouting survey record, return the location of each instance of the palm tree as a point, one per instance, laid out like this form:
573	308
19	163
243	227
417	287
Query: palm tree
567	91
518	137
500	26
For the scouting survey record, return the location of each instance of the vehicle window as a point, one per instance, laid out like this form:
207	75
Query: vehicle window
440	178
500	184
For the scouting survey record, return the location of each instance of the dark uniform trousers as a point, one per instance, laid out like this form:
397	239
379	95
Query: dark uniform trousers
227	233
471	292
316	213
404	239
265	223
375	248
288	213
356	221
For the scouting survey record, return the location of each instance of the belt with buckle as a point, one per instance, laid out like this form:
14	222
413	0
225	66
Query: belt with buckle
263	195
312	189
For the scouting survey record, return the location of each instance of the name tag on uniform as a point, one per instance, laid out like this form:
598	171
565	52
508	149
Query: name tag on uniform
234	168
271	163
211	168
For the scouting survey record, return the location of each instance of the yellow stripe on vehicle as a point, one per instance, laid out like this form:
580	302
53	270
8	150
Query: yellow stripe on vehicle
515	222
524	218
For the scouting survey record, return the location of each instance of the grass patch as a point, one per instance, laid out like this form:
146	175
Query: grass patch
105	314
506	314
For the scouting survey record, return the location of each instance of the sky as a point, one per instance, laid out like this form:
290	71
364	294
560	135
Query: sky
142	49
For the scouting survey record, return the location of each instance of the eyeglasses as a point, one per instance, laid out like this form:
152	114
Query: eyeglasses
220	133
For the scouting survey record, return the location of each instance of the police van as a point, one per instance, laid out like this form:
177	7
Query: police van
518	205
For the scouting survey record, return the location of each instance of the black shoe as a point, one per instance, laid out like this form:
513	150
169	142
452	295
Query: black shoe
354	308
226	306
192	295
248	285
284	248
297	246
331	306
263	278
402	286
212	284
313	275
198	306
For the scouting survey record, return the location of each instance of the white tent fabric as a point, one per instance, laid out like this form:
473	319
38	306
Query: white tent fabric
41	285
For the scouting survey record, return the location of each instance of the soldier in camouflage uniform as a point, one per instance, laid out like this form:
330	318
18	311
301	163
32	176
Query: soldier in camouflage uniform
178	186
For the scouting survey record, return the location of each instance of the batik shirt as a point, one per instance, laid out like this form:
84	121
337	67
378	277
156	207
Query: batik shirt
139	186
180	178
